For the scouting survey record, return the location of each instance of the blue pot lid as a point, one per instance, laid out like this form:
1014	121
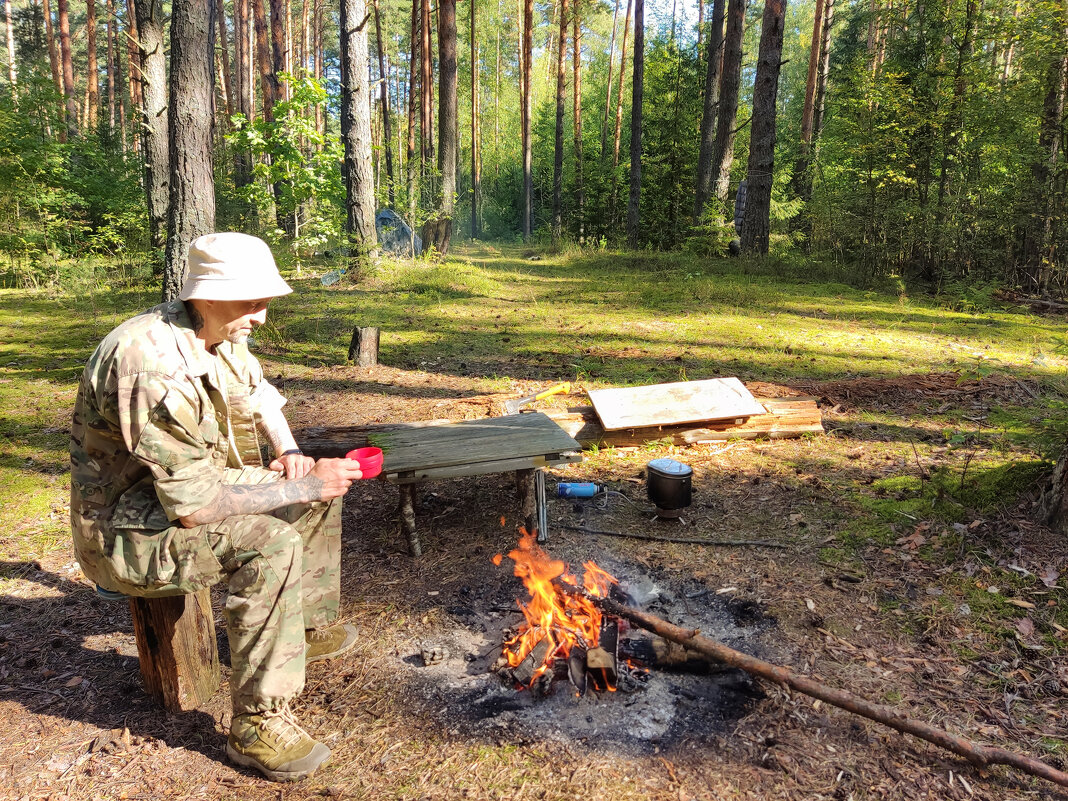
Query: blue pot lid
671	467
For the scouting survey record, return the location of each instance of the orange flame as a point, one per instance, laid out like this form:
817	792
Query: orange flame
560	619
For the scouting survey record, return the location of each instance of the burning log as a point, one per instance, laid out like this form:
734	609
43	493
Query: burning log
980	755
602	662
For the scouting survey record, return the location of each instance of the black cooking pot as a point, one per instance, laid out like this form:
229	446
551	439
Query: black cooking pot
669	484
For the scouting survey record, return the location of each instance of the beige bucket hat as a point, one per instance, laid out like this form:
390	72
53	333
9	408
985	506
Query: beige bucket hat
231	266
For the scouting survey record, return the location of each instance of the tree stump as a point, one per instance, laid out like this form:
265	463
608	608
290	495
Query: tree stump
177	649
363	349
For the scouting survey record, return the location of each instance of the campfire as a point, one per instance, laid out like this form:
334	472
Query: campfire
564	631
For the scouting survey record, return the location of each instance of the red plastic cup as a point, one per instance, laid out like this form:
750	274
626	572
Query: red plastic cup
369	459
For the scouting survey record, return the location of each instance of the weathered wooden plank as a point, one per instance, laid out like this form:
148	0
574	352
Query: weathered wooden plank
674	404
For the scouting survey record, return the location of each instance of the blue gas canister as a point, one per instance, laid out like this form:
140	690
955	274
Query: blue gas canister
576	489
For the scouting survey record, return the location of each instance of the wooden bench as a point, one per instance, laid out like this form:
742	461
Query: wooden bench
418	452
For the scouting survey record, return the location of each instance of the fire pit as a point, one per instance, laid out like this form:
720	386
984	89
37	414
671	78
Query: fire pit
546	668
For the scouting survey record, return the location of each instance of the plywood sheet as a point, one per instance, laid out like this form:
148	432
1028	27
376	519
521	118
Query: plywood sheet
672	404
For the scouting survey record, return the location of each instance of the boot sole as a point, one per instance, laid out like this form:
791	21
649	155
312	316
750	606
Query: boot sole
320	753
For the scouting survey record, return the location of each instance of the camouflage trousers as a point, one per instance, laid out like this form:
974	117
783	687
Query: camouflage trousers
283	572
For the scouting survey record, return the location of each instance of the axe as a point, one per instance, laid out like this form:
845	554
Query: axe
513	406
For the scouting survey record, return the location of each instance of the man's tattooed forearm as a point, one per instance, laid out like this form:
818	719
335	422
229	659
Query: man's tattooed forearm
254	499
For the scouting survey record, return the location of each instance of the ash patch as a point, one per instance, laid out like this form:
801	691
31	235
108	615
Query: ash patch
450	678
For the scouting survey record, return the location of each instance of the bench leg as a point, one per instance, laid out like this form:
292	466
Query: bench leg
524	487
177	649
406	511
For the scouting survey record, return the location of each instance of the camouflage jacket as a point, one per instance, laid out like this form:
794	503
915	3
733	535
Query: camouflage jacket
159	423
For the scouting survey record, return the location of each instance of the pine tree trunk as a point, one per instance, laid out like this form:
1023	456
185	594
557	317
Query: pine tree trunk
476	133
53	55
112	65
723	152
613	201
527	49
224	49
356	135
135	75
576	98
67	64
92	66
263	59
12	72
387	136
154	118
756	224
824	71
448	112
192	123
633	203
426	127
243	88
608	83
708	117
437	231
414	67
558	148
284	217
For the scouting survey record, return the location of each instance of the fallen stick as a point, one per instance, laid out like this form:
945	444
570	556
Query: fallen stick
980	755
685	540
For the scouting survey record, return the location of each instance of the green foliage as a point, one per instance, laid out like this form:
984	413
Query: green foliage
297	169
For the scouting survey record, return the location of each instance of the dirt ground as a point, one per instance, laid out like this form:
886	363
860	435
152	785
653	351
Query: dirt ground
884	624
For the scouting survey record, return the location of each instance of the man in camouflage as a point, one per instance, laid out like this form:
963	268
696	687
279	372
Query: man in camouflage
169	494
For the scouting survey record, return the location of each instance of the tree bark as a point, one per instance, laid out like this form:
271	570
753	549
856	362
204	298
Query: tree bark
242	88
66	60
608	83
476	133
526	51
576	98
824	72
92	66
154	118
387	136
192	123
633	209
723	153
558	148
756	225
112	65
134	73
414	61
708	116
612	203
448	113
356	135
426	83
12	72
53	55
224	49
808	108
268	81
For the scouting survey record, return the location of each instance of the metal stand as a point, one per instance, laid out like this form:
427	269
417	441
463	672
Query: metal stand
540	511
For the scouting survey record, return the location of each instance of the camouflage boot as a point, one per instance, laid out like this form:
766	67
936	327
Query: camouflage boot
329	642
273	743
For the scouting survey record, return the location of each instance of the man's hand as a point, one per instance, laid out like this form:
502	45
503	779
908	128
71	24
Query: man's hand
328	479
336	475
294	465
